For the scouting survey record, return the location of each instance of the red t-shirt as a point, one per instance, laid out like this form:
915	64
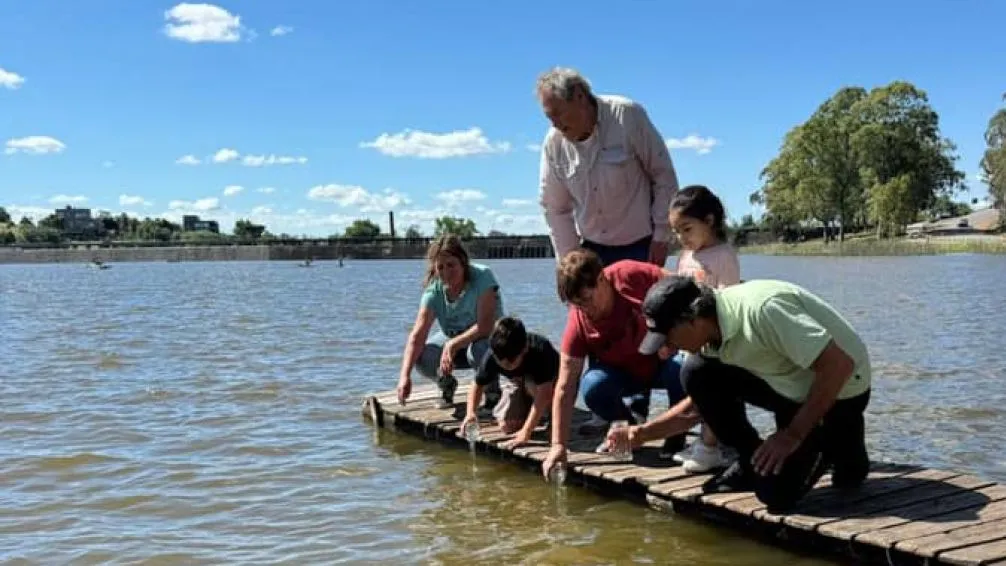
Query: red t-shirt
615	340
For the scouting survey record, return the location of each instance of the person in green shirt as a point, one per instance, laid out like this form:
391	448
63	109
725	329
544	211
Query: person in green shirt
777	346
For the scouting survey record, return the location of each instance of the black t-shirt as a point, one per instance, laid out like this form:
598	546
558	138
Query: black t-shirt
540	363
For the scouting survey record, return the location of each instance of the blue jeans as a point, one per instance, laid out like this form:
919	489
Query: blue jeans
604	389
470	357
638	250
428	364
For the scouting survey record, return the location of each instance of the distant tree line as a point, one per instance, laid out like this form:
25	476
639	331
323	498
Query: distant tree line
872	159
122	228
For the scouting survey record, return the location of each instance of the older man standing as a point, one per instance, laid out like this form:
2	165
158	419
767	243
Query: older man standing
606	177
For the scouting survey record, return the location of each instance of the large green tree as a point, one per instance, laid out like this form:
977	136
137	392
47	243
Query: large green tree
463	228
994	161
862	158
363	229
247	230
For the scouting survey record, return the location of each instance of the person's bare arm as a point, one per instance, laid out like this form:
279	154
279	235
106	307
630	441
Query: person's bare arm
832	369
676	420
564	397
416	340
474	398
542	401
413	349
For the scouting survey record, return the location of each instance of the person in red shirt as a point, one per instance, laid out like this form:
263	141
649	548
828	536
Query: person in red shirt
604	328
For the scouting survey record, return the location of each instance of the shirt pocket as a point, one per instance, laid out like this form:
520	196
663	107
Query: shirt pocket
614	164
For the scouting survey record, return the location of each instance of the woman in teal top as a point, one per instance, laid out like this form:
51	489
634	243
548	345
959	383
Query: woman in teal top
464	299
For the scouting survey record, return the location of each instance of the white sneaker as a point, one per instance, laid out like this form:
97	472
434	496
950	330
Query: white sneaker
686	454
704	458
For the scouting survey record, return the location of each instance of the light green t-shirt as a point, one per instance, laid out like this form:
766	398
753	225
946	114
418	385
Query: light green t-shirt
454	317
776	330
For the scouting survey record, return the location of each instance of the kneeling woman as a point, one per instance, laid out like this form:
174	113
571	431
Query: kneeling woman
464	299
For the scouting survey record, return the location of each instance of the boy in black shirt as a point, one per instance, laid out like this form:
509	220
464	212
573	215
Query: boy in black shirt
531	363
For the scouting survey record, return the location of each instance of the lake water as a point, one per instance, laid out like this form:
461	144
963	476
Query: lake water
208	413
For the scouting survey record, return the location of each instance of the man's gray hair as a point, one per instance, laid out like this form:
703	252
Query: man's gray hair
561	82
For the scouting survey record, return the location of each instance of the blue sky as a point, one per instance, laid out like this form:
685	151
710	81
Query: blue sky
319	112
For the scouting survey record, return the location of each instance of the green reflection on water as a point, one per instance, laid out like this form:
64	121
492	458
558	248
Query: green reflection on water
482	510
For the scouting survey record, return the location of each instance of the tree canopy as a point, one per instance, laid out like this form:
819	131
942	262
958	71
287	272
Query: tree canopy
363	229
463	228
863	158
994	161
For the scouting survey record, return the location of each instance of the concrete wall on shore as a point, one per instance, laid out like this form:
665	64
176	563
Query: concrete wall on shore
114	255
479	248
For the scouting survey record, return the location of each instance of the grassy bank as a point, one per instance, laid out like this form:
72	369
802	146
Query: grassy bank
871	246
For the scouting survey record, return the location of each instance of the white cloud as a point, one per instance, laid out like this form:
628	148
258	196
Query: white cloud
533	147
261	211
265	190
425	145
280	31
127	200
10	80
231	190
353	195
34	145
107	164
698	143
199	23
516	202
224	155
458	196
227	155
267	160
201	205
64	200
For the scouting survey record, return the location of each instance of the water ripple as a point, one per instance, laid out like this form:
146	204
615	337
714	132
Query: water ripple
207	413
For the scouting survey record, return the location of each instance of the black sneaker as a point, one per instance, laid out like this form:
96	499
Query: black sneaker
735	478
672	445
448	384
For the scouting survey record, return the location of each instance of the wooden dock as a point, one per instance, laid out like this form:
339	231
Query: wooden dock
901	515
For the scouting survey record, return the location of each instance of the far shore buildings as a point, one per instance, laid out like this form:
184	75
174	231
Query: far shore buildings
78	221
192	223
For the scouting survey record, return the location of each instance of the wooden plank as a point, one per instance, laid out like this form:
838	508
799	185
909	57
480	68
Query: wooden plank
977	533
821	506
940	516
990	550
926	515
901	507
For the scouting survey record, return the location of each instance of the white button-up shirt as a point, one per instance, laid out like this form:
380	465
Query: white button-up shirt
615	187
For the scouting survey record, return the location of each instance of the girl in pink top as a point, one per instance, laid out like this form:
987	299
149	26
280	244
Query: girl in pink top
698	220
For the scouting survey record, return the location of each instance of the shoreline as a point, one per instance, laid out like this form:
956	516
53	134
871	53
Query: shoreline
990	244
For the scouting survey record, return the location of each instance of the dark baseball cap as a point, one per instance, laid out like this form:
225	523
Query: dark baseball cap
667	303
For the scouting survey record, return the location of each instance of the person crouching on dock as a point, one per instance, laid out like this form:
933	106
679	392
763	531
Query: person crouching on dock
464	299
531	364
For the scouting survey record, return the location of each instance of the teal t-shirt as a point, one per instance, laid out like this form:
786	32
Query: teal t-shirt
454	317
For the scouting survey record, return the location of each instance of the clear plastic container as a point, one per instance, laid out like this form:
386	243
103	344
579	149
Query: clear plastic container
471	432
620	449
557	474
